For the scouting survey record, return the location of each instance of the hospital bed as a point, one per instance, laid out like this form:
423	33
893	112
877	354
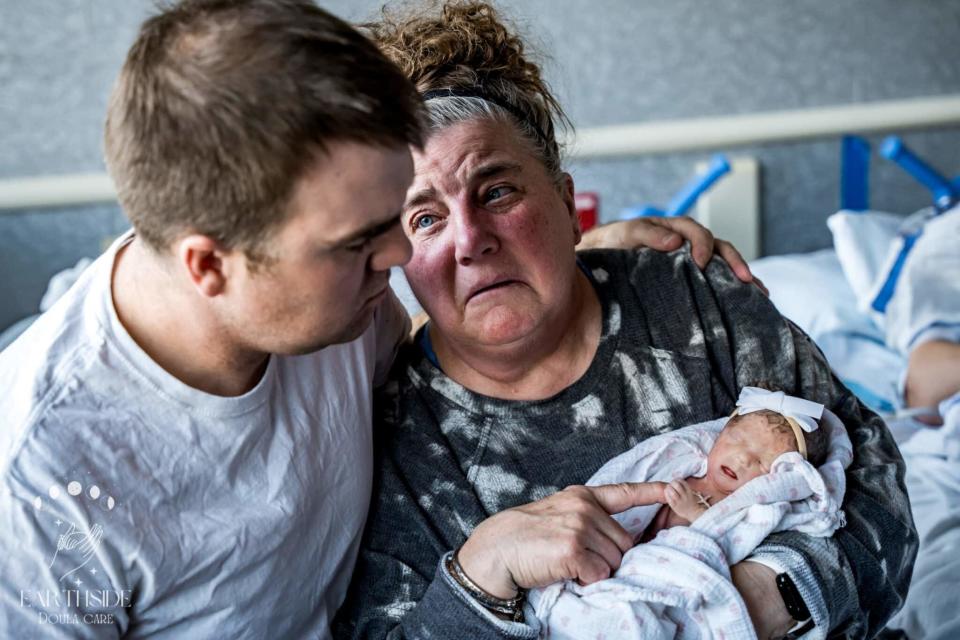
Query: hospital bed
833	295
811	290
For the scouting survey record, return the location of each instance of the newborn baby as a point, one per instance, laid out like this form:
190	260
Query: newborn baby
776	464
747	447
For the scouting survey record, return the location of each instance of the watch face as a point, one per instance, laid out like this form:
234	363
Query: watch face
796	607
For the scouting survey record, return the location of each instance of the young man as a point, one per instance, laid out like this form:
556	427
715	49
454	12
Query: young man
185	437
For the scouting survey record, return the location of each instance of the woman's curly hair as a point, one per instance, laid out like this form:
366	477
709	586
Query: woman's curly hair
465	45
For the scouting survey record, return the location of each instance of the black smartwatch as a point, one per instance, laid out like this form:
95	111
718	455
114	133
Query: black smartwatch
796	607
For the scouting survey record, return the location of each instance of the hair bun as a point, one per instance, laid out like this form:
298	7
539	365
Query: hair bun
466	44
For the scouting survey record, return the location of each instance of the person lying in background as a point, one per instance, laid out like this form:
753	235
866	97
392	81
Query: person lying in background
922	321
540	364
190	425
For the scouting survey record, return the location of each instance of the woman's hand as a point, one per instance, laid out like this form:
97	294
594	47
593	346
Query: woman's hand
667	234
569	535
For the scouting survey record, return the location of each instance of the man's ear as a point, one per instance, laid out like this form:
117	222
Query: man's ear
204	262
566	193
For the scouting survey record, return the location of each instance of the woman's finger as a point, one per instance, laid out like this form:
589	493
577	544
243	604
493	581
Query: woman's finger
612	530
591	567
603	500
598	542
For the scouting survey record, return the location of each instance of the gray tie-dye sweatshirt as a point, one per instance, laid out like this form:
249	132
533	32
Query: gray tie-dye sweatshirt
676	347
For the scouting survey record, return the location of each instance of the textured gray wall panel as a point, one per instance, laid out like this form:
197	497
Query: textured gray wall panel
610	61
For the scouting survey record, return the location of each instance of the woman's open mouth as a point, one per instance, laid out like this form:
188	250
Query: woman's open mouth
728	471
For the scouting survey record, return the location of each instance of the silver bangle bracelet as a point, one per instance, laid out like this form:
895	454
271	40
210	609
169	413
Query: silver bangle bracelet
512	607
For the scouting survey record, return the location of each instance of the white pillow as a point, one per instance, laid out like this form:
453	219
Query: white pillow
862	240
811	290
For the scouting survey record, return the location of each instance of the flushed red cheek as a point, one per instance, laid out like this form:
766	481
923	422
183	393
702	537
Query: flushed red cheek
431	280
522	227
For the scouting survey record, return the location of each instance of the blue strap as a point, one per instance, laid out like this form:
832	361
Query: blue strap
880	303
855	174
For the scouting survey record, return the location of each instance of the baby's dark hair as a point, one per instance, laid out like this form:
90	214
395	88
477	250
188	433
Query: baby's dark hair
817	442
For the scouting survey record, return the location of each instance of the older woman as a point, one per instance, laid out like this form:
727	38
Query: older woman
537	367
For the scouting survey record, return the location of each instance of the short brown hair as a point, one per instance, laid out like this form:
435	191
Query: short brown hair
221	105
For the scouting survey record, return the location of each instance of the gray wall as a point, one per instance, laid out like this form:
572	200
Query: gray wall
612	61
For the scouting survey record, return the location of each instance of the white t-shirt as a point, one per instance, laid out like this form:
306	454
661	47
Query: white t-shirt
132	504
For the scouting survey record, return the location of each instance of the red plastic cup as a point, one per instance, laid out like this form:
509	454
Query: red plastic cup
588	209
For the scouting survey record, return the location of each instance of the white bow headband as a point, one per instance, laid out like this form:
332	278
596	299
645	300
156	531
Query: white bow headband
801	415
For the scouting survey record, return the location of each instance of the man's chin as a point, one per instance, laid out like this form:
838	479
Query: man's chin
348	334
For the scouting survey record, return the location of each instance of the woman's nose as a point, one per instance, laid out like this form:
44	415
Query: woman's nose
473	235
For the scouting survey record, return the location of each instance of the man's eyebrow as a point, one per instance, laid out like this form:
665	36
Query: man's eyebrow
367	233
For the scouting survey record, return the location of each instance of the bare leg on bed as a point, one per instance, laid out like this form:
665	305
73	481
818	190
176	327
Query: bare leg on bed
933	373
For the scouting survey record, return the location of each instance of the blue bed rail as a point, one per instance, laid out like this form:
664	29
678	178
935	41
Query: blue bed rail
688	195
946	195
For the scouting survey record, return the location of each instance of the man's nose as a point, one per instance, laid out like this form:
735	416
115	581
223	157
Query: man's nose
395	252
473	235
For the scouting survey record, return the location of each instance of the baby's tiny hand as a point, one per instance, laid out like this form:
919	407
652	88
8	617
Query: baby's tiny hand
683	500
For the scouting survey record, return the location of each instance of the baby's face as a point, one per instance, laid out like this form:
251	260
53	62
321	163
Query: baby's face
744	450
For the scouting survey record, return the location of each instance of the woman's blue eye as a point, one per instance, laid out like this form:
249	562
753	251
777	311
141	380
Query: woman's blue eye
424	221
497	192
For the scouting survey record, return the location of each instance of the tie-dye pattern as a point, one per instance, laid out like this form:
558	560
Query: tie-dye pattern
677	345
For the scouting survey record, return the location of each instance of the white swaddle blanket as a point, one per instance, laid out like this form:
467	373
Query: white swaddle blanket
678	584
